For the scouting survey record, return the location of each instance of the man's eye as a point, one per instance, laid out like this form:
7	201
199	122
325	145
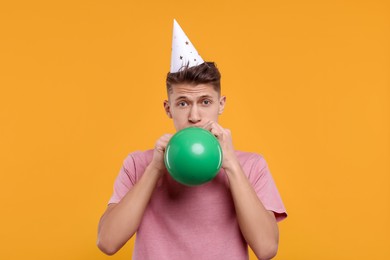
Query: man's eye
182	104
206	102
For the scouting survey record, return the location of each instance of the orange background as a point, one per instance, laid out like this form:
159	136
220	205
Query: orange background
308	87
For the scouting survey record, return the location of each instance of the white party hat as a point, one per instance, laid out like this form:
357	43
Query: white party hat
183	52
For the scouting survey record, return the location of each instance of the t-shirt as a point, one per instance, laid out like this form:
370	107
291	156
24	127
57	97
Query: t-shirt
182	222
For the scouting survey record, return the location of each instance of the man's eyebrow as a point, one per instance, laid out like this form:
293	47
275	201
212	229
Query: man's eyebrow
206	96
181	97
201	97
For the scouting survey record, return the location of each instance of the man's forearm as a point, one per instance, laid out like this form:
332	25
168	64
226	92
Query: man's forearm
121	221
257	225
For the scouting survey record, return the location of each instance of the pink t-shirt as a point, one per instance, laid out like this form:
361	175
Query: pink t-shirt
198	222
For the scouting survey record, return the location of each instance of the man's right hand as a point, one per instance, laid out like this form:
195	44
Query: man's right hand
158	155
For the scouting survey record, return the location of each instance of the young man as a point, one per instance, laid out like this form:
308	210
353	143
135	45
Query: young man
216	220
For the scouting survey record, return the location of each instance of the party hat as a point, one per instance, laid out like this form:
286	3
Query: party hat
183	52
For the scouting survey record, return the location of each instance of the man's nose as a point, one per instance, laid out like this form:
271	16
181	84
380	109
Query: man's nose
194	116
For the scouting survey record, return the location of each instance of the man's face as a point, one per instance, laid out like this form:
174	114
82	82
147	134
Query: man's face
193	105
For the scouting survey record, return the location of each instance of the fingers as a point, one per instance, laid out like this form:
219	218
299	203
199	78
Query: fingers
207	126
162	143
217	130
158	154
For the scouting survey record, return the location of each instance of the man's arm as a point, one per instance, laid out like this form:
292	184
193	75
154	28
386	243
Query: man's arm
120	221
257	224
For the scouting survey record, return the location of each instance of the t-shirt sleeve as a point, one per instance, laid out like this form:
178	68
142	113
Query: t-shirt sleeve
125	180
265	188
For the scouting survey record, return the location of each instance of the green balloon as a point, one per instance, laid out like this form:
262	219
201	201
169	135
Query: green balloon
193	156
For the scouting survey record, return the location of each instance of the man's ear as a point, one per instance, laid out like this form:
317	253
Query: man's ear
167	108
222	102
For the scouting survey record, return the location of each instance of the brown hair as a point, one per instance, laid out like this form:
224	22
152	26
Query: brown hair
205	73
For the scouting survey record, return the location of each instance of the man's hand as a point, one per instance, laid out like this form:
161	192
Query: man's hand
224	137
158	155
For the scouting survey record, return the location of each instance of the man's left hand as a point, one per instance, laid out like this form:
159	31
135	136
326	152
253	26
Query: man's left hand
224	137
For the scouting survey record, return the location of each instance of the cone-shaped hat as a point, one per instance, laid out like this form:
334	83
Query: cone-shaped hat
183	52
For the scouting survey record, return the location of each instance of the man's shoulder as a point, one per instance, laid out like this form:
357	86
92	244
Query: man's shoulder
244	156
140	157
251	160
142	153
253	165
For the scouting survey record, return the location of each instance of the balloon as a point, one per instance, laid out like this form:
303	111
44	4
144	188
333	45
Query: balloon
193	156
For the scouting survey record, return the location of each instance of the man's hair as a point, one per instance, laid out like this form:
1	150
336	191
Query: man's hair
206	73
